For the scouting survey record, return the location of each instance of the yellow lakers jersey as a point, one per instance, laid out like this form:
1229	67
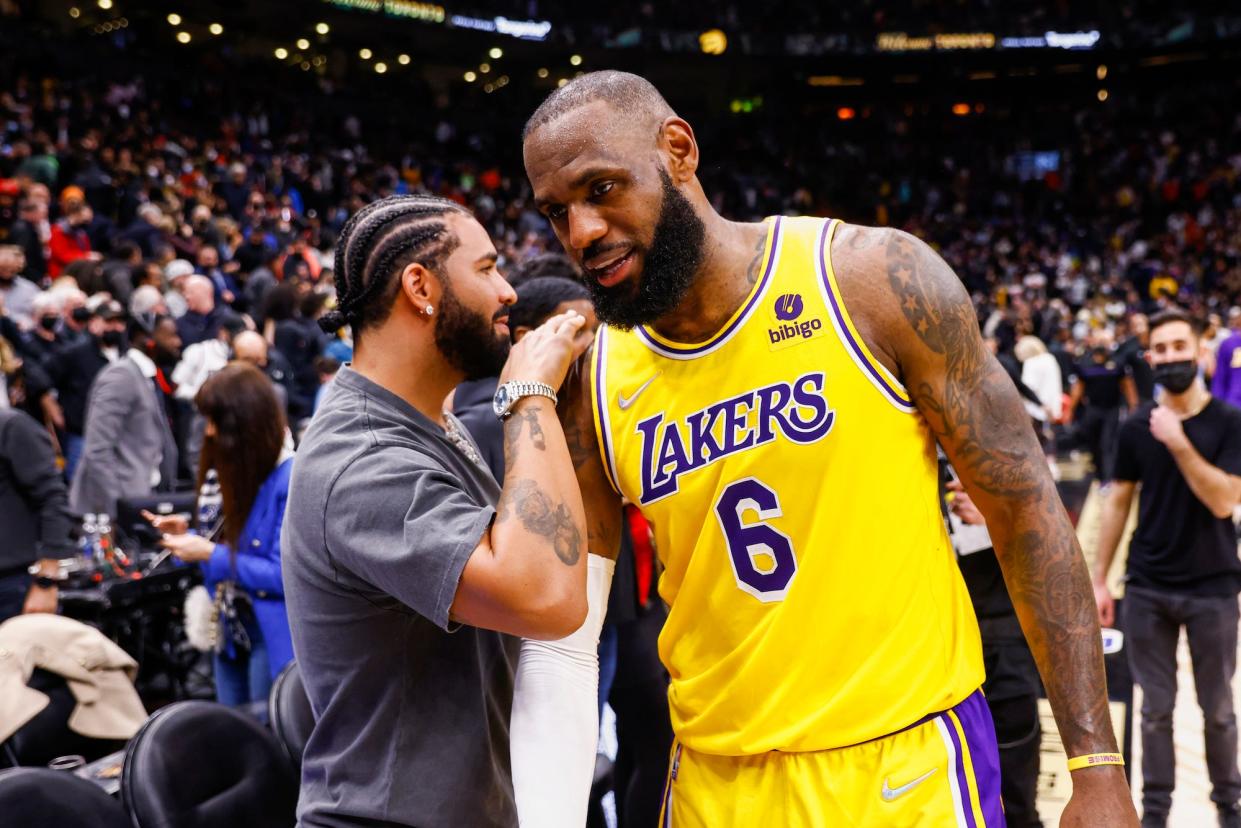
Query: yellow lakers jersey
792	486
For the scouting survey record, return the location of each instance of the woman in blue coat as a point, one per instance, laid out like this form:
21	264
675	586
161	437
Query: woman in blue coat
243	448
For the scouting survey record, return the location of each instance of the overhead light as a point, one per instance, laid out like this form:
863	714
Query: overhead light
319	60
174	19
282	53
1102	95
105	4
1101	72
305	66
303	43
562	82
846	113
489	88
496	53
322	28
216	29
183	37
470	77
381	68
960	109
403	60
75	12
542	73
576	60
503	81
485	68
713	42
365	54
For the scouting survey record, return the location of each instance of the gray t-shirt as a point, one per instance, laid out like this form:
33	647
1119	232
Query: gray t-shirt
411	720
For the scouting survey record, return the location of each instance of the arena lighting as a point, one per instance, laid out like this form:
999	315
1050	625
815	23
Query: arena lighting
319	60
485	68
561	82
322	28
305	66
105	4
542	73
75	12
489	88
1102	95
403	59
833	80
846	113
576	60
470	77
502	81
365	54
183	37
216	29
381	67
282	53
523	29
174	19
496	53
713	42
960	109
1101	72
303	43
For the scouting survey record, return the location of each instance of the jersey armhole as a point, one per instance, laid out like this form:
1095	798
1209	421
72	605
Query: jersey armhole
874	370
599	408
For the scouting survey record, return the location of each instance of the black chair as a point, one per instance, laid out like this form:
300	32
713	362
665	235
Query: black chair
42	798
289	714
198	764
48	735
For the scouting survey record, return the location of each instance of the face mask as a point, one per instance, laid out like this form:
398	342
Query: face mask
114	339
48	323
80	315
1176	376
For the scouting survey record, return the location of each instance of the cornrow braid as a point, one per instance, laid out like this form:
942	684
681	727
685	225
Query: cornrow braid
379	241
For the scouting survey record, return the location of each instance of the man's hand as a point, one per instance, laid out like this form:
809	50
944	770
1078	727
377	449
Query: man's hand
169	524
963	506
41	599
1106	604
1100	797
1166	427
544	354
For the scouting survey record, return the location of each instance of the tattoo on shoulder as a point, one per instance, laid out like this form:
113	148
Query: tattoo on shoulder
577	414
976	409
756	263
539	515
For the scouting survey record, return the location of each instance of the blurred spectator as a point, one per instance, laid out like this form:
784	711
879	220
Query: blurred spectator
201	319
147	230
251	347
130	449
70	241
46	335
177	273
146	301
302	341
1226	385
326	368
31	232
17	293
118	271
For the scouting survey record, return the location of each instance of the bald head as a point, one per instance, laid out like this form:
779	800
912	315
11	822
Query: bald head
199	294
251	347
633	96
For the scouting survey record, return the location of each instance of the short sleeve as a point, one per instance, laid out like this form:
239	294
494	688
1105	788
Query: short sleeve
405	527
1128	464
1228	458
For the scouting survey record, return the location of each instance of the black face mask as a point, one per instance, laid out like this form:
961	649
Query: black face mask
113	339
80	315
49	323
1176	376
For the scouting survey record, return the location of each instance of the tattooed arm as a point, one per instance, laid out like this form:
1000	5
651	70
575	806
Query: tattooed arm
527	576
917	314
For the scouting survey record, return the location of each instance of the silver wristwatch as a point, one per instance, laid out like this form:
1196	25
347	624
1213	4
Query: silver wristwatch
509	393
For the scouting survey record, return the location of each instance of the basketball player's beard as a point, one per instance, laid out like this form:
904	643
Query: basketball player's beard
668	267
468	340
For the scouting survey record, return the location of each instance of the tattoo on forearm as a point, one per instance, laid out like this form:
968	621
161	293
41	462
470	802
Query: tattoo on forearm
539	515
977	416
513	428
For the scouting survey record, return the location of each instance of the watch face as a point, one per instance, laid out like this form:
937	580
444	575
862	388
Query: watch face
499	403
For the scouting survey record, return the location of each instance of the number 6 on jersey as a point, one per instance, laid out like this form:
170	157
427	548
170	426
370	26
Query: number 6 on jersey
761	555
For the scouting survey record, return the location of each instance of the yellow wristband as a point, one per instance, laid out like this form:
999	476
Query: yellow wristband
1091	759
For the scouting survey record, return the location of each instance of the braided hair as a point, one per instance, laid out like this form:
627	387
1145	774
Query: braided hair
378	242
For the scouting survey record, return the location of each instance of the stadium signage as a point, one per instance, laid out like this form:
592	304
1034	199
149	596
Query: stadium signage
903	42
1054	40
524	29
395	8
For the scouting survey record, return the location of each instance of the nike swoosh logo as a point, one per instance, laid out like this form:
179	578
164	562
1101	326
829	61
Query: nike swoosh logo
624	402
890	794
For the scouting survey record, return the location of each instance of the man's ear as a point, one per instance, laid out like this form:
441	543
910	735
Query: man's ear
677	140
420	288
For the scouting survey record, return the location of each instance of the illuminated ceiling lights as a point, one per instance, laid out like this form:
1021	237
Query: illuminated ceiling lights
380	68
75	12
174	19
365	54
403	60
1101	72
216	29
183	37
543	72
562	82
496	53
846	113
576	60
282	53
303	43
485	68
470	77
322	28
960	109
1102	95
713	42
105	4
